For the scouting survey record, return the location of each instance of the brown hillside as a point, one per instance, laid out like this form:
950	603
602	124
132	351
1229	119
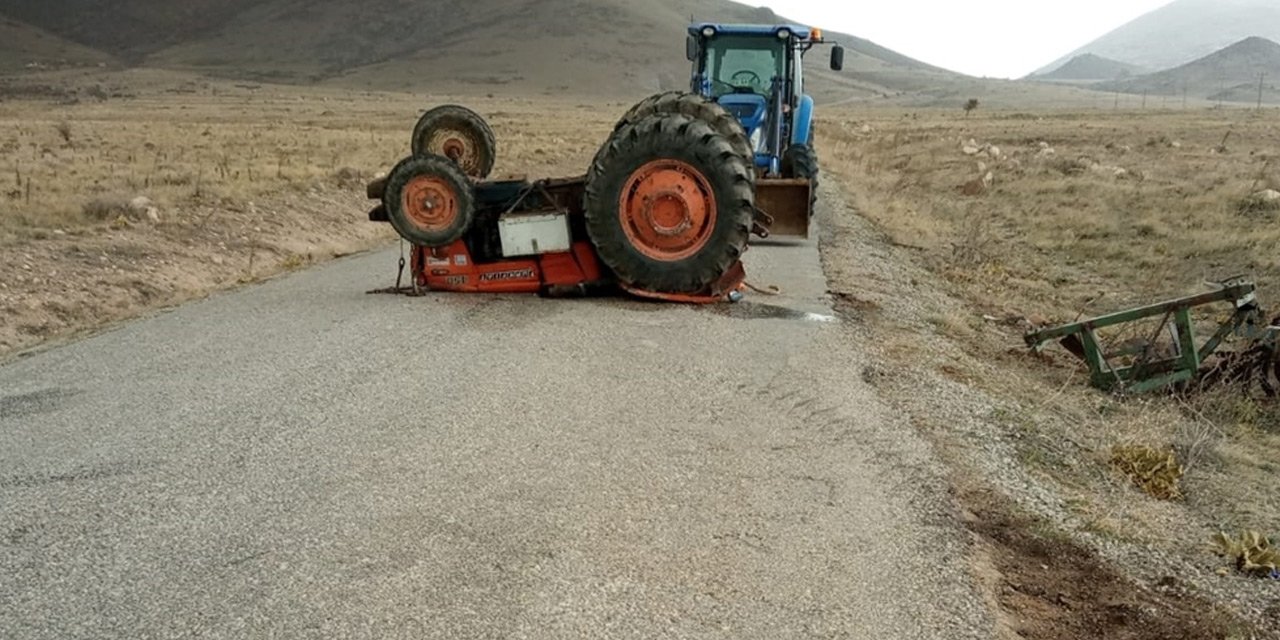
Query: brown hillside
549	46
129	29
24	48
613	47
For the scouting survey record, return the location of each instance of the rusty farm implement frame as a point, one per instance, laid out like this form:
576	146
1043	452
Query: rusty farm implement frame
1141	365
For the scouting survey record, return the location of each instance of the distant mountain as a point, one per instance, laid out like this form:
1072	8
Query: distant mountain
1183	31
1231	74
1088	66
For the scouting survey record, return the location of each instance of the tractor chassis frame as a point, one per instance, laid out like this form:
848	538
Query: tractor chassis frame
575	273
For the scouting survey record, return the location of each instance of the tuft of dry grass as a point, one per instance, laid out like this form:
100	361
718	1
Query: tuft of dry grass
64	131
1257	206
1250	552
105	208
1155	471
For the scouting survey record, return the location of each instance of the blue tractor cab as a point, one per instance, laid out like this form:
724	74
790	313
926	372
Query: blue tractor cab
756	72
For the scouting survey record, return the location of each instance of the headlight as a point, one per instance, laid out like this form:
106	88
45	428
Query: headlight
784	34
755	139
707	32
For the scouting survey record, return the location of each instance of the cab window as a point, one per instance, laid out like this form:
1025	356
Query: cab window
738	64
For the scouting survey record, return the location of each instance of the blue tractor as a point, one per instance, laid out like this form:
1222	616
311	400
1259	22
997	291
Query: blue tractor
748	85
756	73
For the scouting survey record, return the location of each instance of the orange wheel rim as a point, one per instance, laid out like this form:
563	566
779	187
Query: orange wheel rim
454	148
668	210
460	146
430	203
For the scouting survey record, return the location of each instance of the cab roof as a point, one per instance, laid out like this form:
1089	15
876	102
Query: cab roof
765	30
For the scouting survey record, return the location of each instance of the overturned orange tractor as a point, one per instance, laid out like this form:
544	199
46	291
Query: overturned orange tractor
665	211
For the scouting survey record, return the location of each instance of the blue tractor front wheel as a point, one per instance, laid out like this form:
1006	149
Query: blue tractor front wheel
801	161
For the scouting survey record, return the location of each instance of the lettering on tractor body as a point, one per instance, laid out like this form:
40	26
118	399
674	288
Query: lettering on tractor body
500	276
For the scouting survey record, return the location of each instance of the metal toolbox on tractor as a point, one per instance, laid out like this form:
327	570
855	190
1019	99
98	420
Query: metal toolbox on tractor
531	234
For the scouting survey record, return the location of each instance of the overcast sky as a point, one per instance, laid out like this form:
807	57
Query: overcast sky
995	38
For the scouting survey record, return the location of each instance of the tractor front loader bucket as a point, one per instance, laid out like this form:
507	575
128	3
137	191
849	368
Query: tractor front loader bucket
787	205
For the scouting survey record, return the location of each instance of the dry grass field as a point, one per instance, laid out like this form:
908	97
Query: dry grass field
243	181
1057	216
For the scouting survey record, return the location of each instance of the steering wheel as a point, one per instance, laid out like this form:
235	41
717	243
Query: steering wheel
751	77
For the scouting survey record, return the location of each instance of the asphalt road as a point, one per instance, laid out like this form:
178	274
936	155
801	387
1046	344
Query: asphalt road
300	459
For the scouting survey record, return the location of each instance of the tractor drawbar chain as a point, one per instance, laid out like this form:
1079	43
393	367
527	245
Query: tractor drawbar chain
413	290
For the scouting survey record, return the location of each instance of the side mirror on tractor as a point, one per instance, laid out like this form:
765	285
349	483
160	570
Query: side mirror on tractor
837	58
691	48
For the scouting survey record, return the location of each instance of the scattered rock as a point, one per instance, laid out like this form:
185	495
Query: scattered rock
140	204
993	152
971	148
1046	152
864	129
1262	203
1038	320
979	186
1109	170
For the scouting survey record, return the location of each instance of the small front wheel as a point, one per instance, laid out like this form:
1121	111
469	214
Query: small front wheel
460	135
429	201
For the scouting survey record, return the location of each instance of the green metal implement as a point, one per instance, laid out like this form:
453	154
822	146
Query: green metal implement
1141	366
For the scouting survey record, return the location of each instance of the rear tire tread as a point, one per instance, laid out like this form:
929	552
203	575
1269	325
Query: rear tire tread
699	108
698	144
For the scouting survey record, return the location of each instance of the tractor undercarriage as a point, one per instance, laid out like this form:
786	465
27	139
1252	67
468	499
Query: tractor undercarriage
664	213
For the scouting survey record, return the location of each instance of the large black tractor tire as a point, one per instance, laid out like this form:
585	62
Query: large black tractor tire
698	108
459	134
669	205
429	200
801	161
